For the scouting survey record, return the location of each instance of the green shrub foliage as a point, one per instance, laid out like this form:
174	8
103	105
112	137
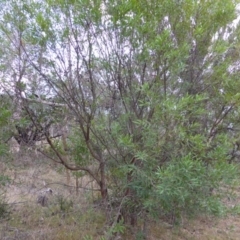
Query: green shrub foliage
149	91
187	186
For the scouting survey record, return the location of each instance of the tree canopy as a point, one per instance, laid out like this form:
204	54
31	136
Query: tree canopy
149	91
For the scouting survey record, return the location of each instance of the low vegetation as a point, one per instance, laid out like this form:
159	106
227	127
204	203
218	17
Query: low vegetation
71	214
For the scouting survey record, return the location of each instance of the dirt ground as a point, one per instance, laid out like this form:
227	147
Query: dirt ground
70	214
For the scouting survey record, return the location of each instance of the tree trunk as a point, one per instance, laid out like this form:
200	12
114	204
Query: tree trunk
103	185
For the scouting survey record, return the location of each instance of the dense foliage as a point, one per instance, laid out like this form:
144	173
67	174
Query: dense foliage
148	91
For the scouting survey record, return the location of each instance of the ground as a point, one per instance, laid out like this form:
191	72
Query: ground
72	215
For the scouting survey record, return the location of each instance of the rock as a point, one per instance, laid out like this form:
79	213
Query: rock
42	198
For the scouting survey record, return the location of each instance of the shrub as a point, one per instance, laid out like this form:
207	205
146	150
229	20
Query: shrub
4	207
187	186
65	205
4	180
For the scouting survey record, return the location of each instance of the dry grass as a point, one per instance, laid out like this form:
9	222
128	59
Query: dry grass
71	216
68	214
